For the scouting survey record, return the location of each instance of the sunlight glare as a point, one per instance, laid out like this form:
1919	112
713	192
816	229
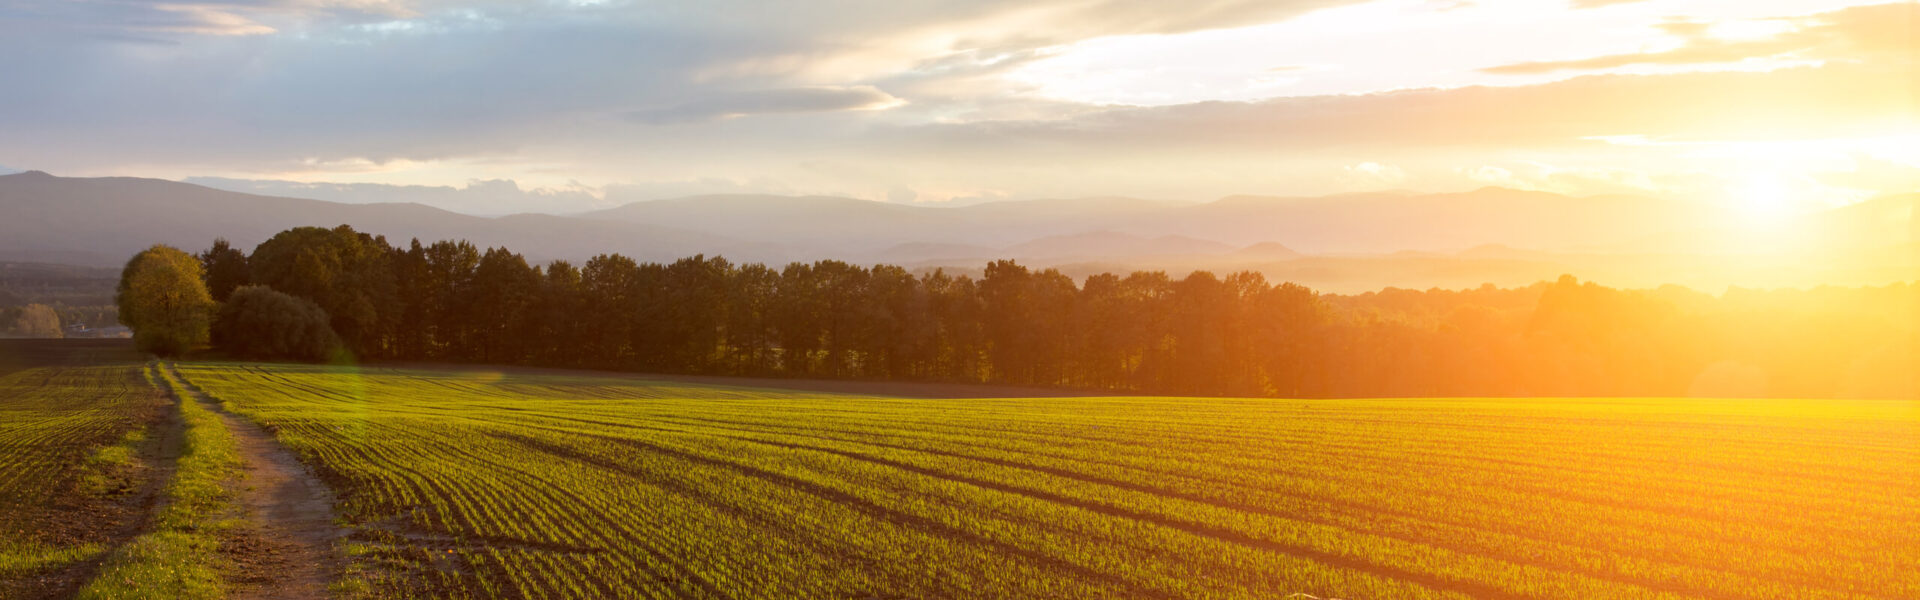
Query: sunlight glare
1763	200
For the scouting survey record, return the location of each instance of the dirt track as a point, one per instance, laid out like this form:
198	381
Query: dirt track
286	549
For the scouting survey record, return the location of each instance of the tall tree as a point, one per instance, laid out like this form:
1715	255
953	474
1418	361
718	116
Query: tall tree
560	319
1006	296
959	339
798	318
449	270
501	304
163	298
750	319
225	267
693	297
612	286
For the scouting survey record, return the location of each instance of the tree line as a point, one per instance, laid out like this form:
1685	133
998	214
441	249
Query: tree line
316	293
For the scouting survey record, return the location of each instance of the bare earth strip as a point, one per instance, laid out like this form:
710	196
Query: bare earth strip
287	549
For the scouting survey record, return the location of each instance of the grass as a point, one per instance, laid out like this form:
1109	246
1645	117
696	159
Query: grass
19	557
497	485
179	556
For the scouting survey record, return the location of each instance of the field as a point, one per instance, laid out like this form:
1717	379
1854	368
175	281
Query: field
79	468
508	485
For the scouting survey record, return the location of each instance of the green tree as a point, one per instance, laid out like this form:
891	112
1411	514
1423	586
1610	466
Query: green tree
164	300
225	269
612	286
38	321
349	274
558	316
503	296
798	317
750	312
257	322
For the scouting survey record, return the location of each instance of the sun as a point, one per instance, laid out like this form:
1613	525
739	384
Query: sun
1763	199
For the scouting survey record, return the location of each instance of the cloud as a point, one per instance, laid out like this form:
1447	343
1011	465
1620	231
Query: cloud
1834	101
1373	175
540	93
1855	33
141	20
624	193
762	102
1876	175
1585	4
482	197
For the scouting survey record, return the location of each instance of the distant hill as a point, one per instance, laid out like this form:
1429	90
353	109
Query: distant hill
1385	222
102	221
843	226
25	283
1112	245
1346	242
1372	223
1267	251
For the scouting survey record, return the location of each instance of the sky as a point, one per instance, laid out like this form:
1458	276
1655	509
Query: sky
1768	108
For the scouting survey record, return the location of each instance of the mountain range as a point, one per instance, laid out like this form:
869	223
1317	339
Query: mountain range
101	221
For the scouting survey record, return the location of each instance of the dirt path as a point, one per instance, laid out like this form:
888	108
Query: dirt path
286	550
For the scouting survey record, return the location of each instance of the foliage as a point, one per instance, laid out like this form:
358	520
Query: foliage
258	322
225	269
1145	332
163	299
473	483
38	321
348	274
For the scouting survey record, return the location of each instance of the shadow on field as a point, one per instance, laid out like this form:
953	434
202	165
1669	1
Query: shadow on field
23	354
898	389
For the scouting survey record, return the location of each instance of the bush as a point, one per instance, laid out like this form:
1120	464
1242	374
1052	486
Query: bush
258	322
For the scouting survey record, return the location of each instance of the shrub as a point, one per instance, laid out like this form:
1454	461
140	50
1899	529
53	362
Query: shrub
258	322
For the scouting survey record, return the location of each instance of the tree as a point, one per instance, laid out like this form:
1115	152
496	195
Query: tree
447	303
502	300
797	318
349	274
958	338
750	306
257	322
611	283
559	317
163	299
226	269
38	321
694	300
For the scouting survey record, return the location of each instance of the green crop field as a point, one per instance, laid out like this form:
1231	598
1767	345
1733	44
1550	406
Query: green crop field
477	484
68	469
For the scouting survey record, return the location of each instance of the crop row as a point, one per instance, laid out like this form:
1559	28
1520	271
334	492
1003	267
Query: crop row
500	485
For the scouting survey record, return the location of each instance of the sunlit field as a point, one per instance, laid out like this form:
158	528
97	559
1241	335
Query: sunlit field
544	485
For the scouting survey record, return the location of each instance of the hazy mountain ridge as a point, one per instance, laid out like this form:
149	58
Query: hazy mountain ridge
102	221
1350	241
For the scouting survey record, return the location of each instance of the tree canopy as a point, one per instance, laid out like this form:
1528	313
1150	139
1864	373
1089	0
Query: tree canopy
163	299
1143	332
258	322
226	269
38	321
